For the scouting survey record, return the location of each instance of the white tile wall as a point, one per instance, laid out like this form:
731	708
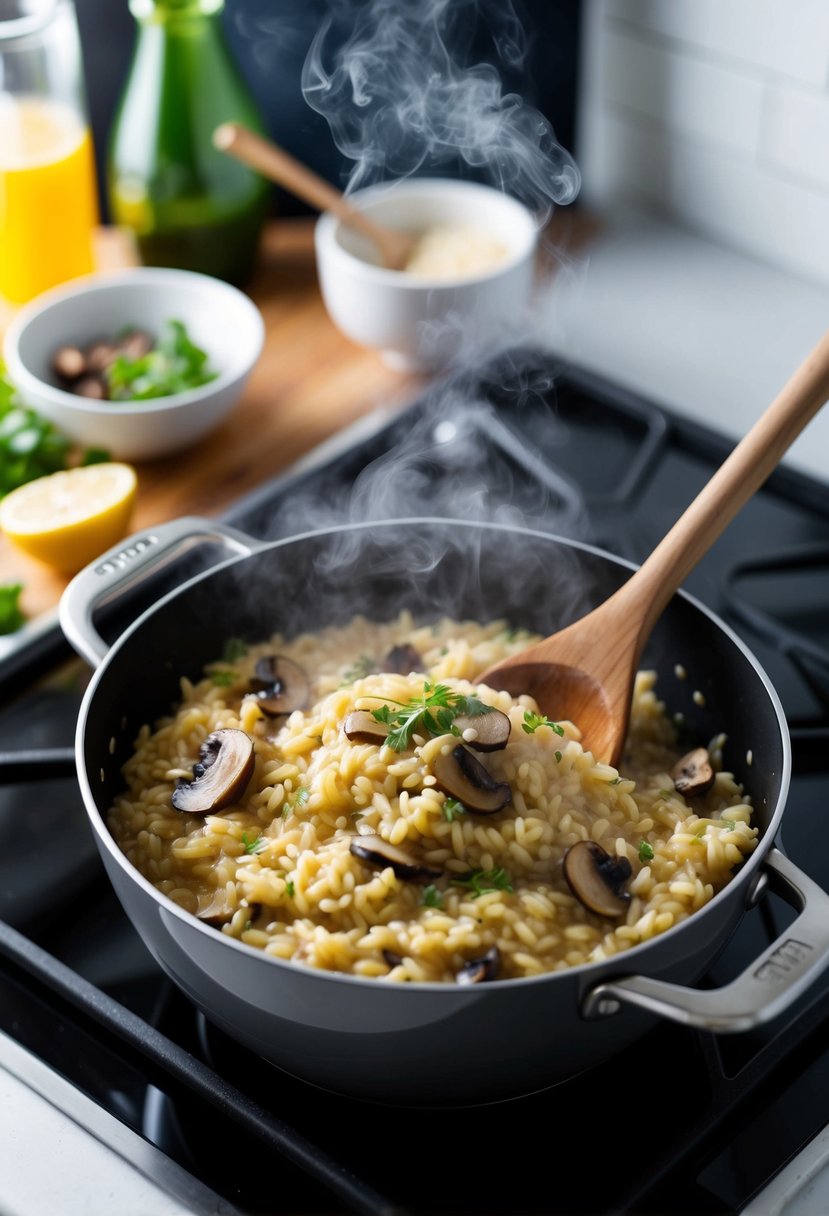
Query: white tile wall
714	113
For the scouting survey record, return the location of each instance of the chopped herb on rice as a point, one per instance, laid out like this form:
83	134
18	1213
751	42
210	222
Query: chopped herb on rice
449	857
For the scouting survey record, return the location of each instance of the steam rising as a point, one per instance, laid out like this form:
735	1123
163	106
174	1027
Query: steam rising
400	96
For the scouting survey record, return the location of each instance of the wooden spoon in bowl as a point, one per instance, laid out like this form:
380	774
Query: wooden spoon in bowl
395	247
585	672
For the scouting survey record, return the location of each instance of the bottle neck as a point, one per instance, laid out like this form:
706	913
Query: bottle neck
174	10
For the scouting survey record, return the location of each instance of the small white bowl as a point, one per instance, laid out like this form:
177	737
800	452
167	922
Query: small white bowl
219	318
419	323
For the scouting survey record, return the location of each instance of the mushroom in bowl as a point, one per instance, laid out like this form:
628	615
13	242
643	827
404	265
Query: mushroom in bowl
58	341
373	934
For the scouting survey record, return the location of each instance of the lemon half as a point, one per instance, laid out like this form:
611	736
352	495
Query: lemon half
68	519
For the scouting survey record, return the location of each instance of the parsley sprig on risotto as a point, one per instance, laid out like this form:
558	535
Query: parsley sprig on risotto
432	713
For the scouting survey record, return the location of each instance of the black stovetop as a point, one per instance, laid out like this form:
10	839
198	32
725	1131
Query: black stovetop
533	441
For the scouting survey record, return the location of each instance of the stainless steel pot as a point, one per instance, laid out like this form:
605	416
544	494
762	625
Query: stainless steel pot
436	1043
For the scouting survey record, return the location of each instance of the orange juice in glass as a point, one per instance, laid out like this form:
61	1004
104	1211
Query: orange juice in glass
48	198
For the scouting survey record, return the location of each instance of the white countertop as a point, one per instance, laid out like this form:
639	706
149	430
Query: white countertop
707	332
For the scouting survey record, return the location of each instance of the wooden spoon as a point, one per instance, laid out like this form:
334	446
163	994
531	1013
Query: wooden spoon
585	672
395	247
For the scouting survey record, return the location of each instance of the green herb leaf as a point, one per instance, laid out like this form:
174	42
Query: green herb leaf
289	887
614	780
433	713
364	666
234	649
480	881
645	851
95	456
255	845
451	808
223	679
30	446
11	616
532	722
558	757
432	897
172	366
729	824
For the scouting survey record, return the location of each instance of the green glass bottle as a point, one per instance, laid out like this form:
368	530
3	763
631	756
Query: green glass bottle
188	204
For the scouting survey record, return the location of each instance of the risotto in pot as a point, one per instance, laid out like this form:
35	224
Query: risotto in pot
352	800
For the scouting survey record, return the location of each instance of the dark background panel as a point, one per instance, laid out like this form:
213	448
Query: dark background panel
270	40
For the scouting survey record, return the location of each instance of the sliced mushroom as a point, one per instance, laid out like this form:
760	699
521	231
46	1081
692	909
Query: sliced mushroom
493	729
220	775
693	774
462	775
69	362
215	908
92	387
596	878
99	355
281	686
480	970
402	659
135	344
361	726
378	852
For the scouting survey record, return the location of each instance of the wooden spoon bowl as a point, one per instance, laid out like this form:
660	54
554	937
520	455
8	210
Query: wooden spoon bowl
585	672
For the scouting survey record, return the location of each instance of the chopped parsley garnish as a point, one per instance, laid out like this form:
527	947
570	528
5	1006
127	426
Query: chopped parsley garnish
480	881
432	897
298	798
30	446
223	679
614	780
558	757
290	888
645	851
173	365
666	793
433	713
532	722
451	808
364	666
729	824
256	845
234	649
11	617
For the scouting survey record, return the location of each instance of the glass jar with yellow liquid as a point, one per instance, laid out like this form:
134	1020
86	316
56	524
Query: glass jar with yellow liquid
48	195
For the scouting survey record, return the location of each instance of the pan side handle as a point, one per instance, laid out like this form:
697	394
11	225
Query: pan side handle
765	989
126	565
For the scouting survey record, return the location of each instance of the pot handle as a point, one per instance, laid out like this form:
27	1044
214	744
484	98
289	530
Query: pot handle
766	988
128	563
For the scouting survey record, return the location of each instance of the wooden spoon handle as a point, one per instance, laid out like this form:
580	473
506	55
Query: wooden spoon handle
279	166
733	484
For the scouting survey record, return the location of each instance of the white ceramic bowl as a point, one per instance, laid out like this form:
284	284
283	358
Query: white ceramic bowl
418	323
219	318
